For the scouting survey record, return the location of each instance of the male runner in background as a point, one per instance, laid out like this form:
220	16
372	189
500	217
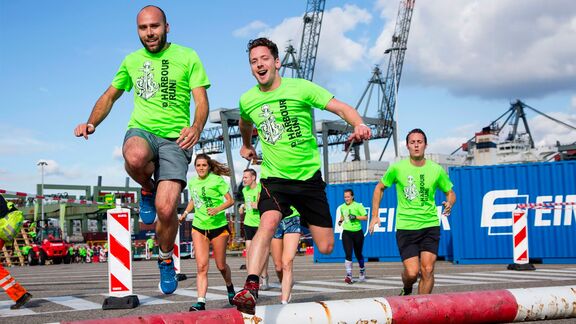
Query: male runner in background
417	222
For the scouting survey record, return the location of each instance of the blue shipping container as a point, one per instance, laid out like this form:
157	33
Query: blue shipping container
486	197
381	246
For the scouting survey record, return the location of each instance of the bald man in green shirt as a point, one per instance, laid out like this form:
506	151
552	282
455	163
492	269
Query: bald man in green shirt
158	143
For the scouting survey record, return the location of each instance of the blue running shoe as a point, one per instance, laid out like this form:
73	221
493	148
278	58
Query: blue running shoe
147	208
168	282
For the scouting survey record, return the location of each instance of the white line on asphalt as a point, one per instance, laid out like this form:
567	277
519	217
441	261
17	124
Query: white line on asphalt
471	276
557	270
147	300
260	292
457	281
520	275
5	310
340	284
388	283
73	302
318	289
193	293
269	293
549	276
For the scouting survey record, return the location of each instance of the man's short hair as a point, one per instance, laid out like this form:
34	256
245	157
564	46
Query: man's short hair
152	6
417	131
263	41
252	172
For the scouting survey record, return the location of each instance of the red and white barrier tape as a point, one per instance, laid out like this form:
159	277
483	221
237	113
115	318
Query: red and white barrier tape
546	205
53	198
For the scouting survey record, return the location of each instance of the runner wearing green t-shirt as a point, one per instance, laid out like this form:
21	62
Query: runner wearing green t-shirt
351	213
210	197
281	110
251	193
158	143
417	222
284	247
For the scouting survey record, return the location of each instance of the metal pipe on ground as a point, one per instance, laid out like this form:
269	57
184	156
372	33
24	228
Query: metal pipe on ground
216	316
491	306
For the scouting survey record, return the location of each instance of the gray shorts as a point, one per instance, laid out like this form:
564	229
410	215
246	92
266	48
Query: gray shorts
170	161
290	225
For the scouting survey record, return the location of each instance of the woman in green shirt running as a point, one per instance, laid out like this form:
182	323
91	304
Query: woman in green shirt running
351	213
210	198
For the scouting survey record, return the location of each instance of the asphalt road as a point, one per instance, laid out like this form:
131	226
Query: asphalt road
77	291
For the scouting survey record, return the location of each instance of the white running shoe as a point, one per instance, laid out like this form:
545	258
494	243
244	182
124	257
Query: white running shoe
264	283
362	277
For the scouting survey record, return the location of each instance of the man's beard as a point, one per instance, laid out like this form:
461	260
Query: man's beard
161	44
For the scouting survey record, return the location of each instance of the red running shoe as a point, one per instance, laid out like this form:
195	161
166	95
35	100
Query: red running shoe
245	299
348	280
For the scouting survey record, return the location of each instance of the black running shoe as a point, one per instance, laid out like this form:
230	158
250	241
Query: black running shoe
404	293
197	307
21	301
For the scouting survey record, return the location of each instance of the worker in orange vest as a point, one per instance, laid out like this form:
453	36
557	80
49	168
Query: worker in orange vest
10	223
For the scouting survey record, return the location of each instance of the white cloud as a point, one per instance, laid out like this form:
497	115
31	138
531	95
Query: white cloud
548	132
52	168
16	141
491	48
445	145
573	103
288	31
250	29
117	153
338	51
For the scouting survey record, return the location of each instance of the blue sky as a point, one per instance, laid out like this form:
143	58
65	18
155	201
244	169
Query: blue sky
466	61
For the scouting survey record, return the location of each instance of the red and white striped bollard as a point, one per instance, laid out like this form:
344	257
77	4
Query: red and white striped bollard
119	225
520	241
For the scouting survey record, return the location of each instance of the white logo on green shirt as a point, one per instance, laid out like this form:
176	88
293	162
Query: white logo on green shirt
271	130
145	84
248	204
410	190
198	203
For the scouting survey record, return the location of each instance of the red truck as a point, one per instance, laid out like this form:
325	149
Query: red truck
49	246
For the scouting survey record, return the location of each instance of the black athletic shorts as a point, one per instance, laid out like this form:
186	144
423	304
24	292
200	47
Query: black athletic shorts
412	242
213	233
307	196
249	232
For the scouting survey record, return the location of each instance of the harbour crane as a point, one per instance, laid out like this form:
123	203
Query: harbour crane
512	117
385	89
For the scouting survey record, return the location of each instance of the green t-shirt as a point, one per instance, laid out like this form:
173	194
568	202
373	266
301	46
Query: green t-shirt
252	215
163	83
415	188
283	118
150	243
356	209
208	193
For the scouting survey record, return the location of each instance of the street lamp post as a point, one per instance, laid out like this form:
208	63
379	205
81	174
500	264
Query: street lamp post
42	164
